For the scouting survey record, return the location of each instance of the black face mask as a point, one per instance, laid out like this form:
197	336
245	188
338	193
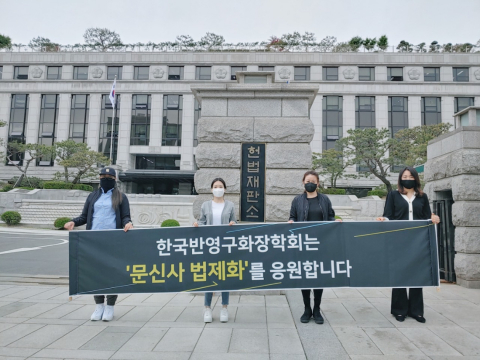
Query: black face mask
310	187
107	184
408	184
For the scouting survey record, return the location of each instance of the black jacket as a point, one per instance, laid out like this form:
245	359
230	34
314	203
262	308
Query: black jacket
396	207
122	213
299	210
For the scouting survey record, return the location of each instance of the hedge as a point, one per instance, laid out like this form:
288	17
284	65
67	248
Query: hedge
11	217
7	187
170	223
60	222
379	193
332	191
66	186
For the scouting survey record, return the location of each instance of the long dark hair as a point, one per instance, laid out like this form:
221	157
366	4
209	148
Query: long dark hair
418	186
116	197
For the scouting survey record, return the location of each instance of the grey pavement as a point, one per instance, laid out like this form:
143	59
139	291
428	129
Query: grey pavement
39	322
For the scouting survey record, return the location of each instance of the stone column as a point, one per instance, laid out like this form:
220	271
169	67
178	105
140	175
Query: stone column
186	150
5	104
454	164
276	114
63	125
156	120
94	112
31	127
414	111
381	112
446	73
316	117
349	123
380	73
448	109
67	72
125	120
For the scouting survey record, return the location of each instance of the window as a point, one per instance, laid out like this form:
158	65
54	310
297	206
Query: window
79	118
175	73
234	70
157	162
196	115
80	73
172	120
301	73
460	74
266	68
140	127
462	103
113	71
54	73
106	127
1	72
397	114
20	72
431	74
16	127
47	130
431	111
364	112
395	74
366	74
330	73
332	120
203	73
141	73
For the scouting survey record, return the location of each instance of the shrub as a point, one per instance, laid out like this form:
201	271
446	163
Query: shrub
332	191
31	182
66	186
11	217
170	223
338	217
60	222
379	193
7	187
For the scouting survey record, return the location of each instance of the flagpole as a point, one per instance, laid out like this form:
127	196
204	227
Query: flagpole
113	127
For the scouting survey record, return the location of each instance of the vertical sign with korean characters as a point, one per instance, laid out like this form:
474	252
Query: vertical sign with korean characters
252	199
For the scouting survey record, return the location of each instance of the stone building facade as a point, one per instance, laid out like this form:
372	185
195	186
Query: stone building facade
157	112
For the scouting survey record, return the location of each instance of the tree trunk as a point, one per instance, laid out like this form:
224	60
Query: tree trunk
66	173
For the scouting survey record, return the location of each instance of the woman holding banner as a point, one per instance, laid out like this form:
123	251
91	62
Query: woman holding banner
408	203
312	206
217	212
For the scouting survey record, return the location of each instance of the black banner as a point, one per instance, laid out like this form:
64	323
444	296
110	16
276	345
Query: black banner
249	257
252	193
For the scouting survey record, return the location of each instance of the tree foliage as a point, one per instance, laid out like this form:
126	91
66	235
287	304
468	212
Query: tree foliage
211	40
370	148
404	46
43	44
355	43
383	42
5	42
369	44
331	164
102	39
411	144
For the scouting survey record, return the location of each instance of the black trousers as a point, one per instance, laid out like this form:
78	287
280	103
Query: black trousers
100	299
317	297
411	305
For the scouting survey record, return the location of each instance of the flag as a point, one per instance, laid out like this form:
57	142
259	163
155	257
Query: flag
112	93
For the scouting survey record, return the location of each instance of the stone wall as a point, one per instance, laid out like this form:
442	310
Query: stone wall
454	164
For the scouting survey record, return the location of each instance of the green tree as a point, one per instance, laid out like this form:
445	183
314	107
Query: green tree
410	145
30	153
434	47
331	164
328	43
70	154
5	42
211	41
43	44
421	48
102	39
404	46
185	42
369	44
292	41
308	40
2	145
370	148
383	42
355	43
276	43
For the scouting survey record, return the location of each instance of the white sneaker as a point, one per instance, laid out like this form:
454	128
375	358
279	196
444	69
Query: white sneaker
108	313
207	315
224	315
97	314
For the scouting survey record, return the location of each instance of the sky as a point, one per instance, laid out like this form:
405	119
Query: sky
416	21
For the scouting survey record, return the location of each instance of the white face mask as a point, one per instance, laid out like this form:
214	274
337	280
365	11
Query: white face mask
218	192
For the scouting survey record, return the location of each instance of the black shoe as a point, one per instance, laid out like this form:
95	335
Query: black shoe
400	318
306	315
419	318
318	316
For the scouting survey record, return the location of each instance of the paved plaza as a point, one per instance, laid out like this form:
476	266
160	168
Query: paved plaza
38	322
